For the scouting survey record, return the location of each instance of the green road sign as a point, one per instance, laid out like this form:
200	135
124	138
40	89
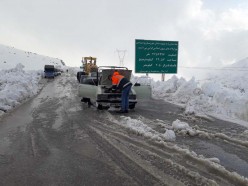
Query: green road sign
156	56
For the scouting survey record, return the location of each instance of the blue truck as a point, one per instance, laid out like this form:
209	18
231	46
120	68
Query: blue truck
49	71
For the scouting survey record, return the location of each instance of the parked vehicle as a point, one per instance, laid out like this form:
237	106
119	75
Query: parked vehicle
96	88
49	71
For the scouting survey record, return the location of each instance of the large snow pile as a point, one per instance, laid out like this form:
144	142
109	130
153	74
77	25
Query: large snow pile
223	94
16	85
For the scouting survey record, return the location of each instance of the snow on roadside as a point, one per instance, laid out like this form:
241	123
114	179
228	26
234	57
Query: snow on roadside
219	96
17	85
223	94
183	128
140	128
177	127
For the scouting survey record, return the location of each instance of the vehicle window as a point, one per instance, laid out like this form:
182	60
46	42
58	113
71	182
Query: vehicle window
88	81
93	74
82	77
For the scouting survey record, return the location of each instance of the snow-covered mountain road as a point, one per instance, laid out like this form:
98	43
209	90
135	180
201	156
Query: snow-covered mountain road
54	139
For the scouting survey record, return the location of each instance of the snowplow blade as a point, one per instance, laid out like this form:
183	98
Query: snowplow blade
143	91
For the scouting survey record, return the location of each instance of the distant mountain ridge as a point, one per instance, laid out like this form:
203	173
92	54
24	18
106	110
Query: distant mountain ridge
10	57
241	63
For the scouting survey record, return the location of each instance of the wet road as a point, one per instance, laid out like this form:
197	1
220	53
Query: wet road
54	139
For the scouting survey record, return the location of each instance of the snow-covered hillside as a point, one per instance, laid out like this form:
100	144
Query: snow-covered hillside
10	57
241	65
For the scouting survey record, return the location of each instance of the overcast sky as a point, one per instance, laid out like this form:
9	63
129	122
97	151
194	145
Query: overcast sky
210	32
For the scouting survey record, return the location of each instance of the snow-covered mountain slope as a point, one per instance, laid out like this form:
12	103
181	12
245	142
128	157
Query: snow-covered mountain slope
10	57
242	63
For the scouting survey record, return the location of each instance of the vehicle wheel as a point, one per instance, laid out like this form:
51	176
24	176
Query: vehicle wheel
132	106
99	107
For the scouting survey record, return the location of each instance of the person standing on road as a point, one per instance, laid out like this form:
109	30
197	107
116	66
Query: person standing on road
123	84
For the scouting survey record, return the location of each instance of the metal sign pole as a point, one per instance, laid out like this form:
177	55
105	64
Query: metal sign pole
162	78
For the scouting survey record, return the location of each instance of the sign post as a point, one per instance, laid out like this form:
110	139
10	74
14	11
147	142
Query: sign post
153	56
162	77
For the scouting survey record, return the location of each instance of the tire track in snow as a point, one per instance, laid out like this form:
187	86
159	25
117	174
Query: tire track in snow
160	164
134	170
231	177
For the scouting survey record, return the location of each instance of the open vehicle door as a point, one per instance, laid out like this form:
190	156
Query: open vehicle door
87	88
142	87
143	91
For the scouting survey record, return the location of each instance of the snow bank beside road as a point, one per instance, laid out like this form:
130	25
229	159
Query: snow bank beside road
16	85
222	96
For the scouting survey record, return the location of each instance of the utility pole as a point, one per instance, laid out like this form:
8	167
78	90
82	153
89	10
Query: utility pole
121	55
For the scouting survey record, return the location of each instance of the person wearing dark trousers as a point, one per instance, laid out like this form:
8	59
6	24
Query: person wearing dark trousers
123	84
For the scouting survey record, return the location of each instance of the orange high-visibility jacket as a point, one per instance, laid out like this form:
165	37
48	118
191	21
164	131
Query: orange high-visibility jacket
119	81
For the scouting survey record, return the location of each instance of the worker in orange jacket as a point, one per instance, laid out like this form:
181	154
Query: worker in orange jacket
123	84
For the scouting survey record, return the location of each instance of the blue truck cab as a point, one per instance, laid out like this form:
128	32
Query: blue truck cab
49	71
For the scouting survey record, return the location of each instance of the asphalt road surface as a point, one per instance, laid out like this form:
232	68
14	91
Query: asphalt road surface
54	139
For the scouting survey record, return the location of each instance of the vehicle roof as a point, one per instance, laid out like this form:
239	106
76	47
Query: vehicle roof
112	67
